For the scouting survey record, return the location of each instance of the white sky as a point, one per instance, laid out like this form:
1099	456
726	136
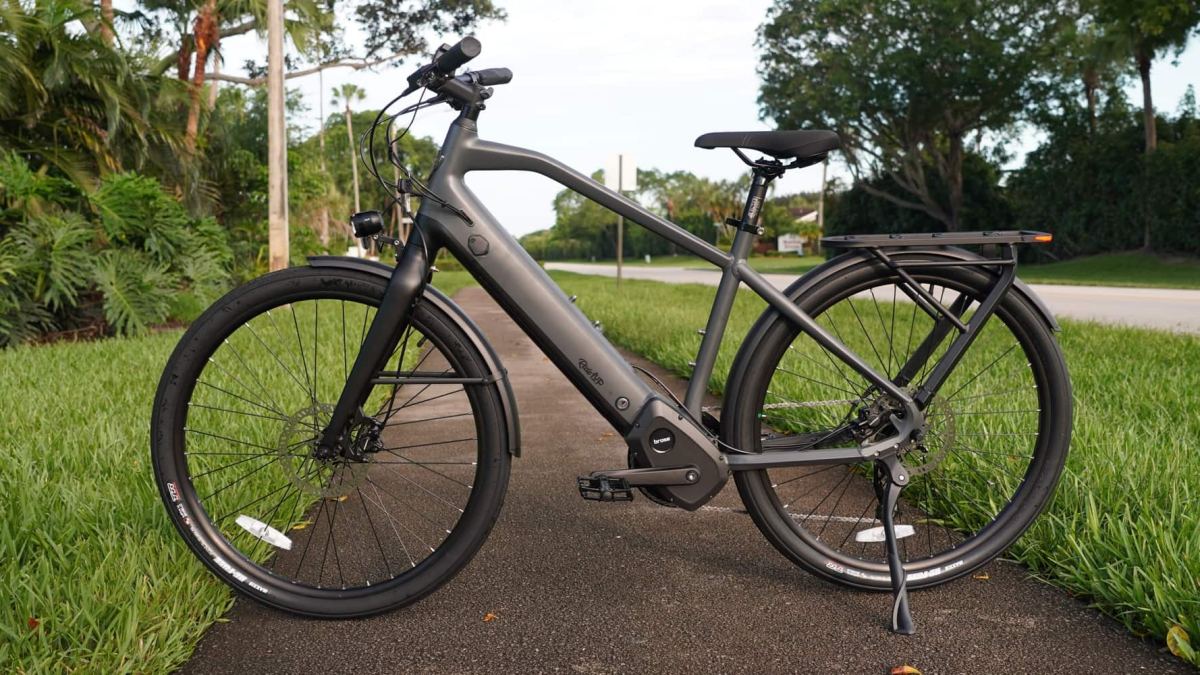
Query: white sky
591	79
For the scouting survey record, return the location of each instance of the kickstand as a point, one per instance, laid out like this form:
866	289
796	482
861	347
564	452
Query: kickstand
890	479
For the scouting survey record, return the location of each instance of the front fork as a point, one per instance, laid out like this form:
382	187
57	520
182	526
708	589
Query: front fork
391	320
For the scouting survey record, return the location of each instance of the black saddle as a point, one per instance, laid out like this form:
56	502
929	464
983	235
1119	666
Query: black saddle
808	147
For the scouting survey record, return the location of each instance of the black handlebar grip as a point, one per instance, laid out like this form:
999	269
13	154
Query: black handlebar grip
493	76
450	60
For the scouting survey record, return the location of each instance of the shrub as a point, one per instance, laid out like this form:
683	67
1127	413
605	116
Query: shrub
112	261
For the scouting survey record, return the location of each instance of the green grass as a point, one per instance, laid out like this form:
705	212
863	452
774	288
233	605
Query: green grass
95	578
1122	531
773	265
1132	269
1118	269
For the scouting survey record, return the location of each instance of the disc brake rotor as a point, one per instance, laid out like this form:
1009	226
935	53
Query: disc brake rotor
326	479
925	456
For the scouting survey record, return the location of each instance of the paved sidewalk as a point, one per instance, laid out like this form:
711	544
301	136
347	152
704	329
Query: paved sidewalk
1161	308
595	588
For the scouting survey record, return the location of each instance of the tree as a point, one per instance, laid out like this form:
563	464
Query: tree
347	93
1092	59
72	103
394	31
911	86
200	25
1149	29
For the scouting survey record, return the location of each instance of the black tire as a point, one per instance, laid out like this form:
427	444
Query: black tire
981	501
412	515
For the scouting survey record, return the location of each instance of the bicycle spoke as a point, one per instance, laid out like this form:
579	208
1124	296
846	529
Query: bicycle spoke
424	465
239	480
408	506
286	369
367	512
236	412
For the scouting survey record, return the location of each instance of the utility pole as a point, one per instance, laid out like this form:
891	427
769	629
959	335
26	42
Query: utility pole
620	221
323	218
620	175
277	216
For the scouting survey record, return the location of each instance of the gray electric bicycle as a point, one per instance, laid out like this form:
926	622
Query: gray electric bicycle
335	440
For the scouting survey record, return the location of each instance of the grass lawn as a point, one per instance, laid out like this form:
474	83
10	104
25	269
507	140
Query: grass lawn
1118	269
1122	530
95	578
1134	269
782	265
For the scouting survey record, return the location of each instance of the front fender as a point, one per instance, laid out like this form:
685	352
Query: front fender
438	299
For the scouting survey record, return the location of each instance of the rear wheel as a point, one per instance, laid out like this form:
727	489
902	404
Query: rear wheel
998	430
236	418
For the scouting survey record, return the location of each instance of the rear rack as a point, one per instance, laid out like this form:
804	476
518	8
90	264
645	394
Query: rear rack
937	239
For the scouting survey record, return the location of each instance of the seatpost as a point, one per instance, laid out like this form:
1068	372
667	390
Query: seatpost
718	318
748	227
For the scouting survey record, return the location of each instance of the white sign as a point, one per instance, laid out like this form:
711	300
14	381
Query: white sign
790	242
621	166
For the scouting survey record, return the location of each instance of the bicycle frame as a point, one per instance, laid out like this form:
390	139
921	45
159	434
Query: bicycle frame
524	290
527	294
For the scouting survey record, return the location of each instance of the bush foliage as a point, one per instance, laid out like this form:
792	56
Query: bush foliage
116	260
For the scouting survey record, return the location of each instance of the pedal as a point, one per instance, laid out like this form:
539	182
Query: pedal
605	489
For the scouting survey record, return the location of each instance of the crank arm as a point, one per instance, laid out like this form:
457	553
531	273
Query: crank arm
654	476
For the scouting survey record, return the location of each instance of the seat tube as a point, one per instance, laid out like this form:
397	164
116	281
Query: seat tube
718	318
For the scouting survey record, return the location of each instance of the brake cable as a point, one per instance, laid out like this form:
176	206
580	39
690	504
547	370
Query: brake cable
409	184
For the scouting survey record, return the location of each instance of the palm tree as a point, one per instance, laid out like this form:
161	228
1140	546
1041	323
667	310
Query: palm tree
206	35
1149	29
347	93
71	102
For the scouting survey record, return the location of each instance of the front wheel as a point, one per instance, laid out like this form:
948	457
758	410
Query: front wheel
236	419
996	441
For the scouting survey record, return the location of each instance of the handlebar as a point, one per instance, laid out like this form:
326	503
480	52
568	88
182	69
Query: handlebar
492	76
466	89
445	63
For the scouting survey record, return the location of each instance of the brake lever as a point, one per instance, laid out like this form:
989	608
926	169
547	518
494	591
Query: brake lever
418	79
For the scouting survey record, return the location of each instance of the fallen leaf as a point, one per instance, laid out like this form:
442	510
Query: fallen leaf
301	525
1179	643
982	576
490	617
343	498
34	623
905	670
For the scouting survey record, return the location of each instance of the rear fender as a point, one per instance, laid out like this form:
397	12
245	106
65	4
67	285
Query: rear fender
438	299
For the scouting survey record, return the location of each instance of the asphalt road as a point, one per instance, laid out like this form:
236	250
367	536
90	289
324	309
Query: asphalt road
1160	308
577	586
